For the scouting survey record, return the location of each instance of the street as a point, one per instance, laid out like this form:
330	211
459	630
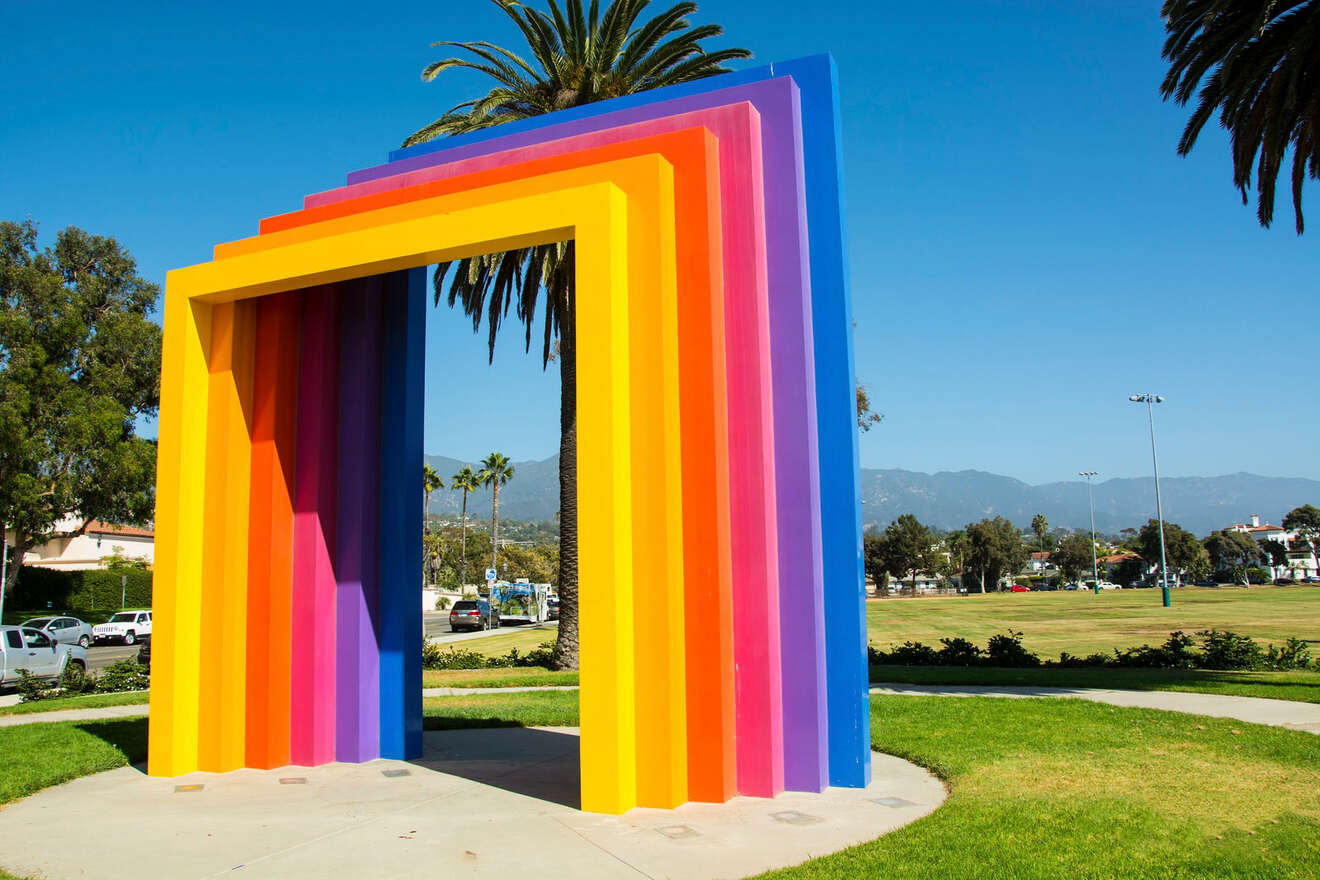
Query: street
435	628
103	656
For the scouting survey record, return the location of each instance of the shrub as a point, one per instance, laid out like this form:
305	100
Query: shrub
75	680
1257	575
1175	653
30	688
906	654
435	657
1005	649
441	603
1295	654
1229	650
93	589
123	675
959	652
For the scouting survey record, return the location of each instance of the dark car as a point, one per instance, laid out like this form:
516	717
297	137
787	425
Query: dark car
1284	582
472	614
1205	582
552	608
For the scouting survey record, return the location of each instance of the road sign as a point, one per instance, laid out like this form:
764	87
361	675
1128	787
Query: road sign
490	574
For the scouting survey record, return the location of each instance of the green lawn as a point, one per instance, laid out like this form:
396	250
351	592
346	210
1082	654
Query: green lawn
491	678
83	701
521	637
36	756
1300	686
1084	623
1039	788
524	709
1063	788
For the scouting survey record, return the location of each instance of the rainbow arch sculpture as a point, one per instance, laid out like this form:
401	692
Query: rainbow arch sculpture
723	641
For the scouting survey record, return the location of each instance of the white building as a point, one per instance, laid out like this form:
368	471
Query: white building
1302	558
69	551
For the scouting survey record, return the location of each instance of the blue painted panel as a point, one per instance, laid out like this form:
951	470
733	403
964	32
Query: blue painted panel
400	624
836	413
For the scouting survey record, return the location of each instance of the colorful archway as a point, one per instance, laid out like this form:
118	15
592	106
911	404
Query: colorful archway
723	633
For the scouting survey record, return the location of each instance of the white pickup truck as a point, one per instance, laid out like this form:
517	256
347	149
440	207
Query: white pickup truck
126	626
22	647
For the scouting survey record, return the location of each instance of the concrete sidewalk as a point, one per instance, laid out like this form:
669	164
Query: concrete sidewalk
479	803
1257	710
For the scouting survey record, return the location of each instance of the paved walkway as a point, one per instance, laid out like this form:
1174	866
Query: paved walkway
1257	710
479	803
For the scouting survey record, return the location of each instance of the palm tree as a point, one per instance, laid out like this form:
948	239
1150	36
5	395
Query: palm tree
577	57
495	472
430	482
1262	58
467	480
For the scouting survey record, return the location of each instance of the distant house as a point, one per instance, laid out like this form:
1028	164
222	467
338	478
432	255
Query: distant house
1302	558
1039	561
69	551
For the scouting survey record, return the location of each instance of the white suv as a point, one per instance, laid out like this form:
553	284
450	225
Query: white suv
125	626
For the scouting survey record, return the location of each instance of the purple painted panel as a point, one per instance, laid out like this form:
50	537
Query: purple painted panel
357	666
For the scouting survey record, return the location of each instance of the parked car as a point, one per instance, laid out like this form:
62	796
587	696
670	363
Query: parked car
471	614
1205	582
1019	588
1284	582
1311	580
125	626
1109	585
65	630
22	647
552	608
1072	586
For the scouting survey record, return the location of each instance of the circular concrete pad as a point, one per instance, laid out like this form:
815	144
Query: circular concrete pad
479	803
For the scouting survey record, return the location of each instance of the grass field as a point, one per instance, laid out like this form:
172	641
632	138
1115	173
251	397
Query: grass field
488	678
520	637
1084	623
83	701
1301	686
1039	788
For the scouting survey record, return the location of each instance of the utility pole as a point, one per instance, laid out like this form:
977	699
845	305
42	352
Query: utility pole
1150	400
1095	565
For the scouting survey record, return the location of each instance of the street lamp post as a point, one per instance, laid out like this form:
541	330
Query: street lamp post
4	565
1150	400
1095	565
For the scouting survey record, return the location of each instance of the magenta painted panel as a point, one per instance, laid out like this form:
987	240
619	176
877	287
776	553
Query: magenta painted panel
315	511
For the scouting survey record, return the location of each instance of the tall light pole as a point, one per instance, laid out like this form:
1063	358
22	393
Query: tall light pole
4	565
1150	400
1095	565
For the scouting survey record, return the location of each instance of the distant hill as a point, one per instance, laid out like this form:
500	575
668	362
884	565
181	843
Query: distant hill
951	499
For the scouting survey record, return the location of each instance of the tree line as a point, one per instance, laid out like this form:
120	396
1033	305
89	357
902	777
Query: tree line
982	554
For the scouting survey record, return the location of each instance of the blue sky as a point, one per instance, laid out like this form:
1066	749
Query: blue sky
1027	248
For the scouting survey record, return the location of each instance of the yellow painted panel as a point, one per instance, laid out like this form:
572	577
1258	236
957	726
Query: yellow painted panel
238	465
596	216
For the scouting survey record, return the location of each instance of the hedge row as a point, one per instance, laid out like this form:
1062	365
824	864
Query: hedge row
1219	650
38	589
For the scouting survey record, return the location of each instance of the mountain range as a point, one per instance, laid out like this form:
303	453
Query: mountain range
951	499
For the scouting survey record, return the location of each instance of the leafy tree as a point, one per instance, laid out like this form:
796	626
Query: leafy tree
873	560
79	364
1128	571
430	482
908	548
1231	551
577	57
1073	556
495	472
866	418
955	545
1305	521
1256	62
466	481
994	548
1275	553
1182	552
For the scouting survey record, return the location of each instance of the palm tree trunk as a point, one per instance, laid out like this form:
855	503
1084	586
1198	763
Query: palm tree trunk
462	552
495	526
566	645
